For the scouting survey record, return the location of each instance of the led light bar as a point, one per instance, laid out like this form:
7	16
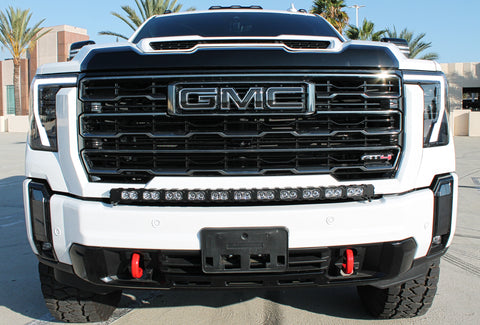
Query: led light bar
176	196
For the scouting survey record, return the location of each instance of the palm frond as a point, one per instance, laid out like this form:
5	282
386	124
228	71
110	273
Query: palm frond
332	11
132	16
108	33
416	44
15	35
365	32
145	9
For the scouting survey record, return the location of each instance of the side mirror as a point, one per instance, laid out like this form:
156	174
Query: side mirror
400	43
75	47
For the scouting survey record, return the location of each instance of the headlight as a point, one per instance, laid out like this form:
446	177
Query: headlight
43	117
435	120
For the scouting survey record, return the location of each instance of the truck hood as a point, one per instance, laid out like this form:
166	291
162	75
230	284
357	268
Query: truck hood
128	57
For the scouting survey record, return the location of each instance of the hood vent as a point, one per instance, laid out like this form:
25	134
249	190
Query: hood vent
188	45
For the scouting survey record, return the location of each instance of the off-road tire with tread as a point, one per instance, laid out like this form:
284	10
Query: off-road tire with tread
73	305
409	299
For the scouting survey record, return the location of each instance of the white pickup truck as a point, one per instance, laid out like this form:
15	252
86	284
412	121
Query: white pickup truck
239	148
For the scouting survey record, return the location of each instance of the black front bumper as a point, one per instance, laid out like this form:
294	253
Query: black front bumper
106	269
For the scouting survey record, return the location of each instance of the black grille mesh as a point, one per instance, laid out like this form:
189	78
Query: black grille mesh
187	45
127	134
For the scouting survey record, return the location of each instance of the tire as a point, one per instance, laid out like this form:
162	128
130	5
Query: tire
73	305
409	299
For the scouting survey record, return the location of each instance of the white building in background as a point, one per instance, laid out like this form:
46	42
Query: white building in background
52	47
464	96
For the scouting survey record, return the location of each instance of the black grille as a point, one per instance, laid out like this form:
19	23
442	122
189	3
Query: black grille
128	135
307	44
176	45
186	45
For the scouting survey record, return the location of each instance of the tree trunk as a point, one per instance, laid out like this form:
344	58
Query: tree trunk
16	86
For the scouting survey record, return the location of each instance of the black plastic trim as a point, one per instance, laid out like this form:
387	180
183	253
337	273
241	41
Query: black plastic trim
40	219
442	211
64	274
129	58
419	268
380	263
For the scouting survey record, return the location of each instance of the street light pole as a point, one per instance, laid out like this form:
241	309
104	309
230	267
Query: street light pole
356	12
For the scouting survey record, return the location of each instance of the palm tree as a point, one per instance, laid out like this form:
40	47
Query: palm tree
17	37
416	44
146	9
366	32
332	11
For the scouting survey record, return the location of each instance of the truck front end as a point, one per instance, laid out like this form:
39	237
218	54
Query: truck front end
241	156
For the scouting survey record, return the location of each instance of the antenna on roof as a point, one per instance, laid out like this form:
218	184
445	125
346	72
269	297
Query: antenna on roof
292	8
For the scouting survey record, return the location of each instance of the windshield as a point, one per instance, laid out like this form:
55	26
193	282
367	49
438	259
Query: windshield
249	24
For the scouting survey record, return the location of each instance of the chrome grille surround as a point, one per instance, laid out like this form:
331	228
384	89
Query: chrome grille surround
127	134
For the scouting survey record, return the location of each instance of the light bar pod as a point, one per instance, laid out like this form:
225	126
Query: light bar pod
219	196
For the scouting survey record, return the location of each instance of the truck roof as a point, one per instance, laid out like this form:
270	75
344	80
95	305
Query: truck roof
235	23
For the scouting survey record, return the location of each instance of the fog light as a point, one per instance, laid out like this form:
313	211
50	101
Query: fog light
333	193
47	246
437	240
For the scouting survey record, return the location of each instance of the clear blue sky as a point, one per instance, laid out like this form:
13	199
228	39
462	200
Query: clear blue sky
451	26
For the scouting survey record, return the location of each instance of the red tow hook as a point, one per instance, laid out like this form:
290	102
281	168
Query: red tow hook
137	271
349	261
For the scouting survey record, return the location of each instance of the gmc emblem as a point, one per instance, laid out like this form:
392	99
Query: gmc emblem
187	100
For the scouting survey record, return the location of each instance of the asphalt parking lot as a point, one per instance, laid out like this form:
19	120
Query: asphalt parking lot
457	298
